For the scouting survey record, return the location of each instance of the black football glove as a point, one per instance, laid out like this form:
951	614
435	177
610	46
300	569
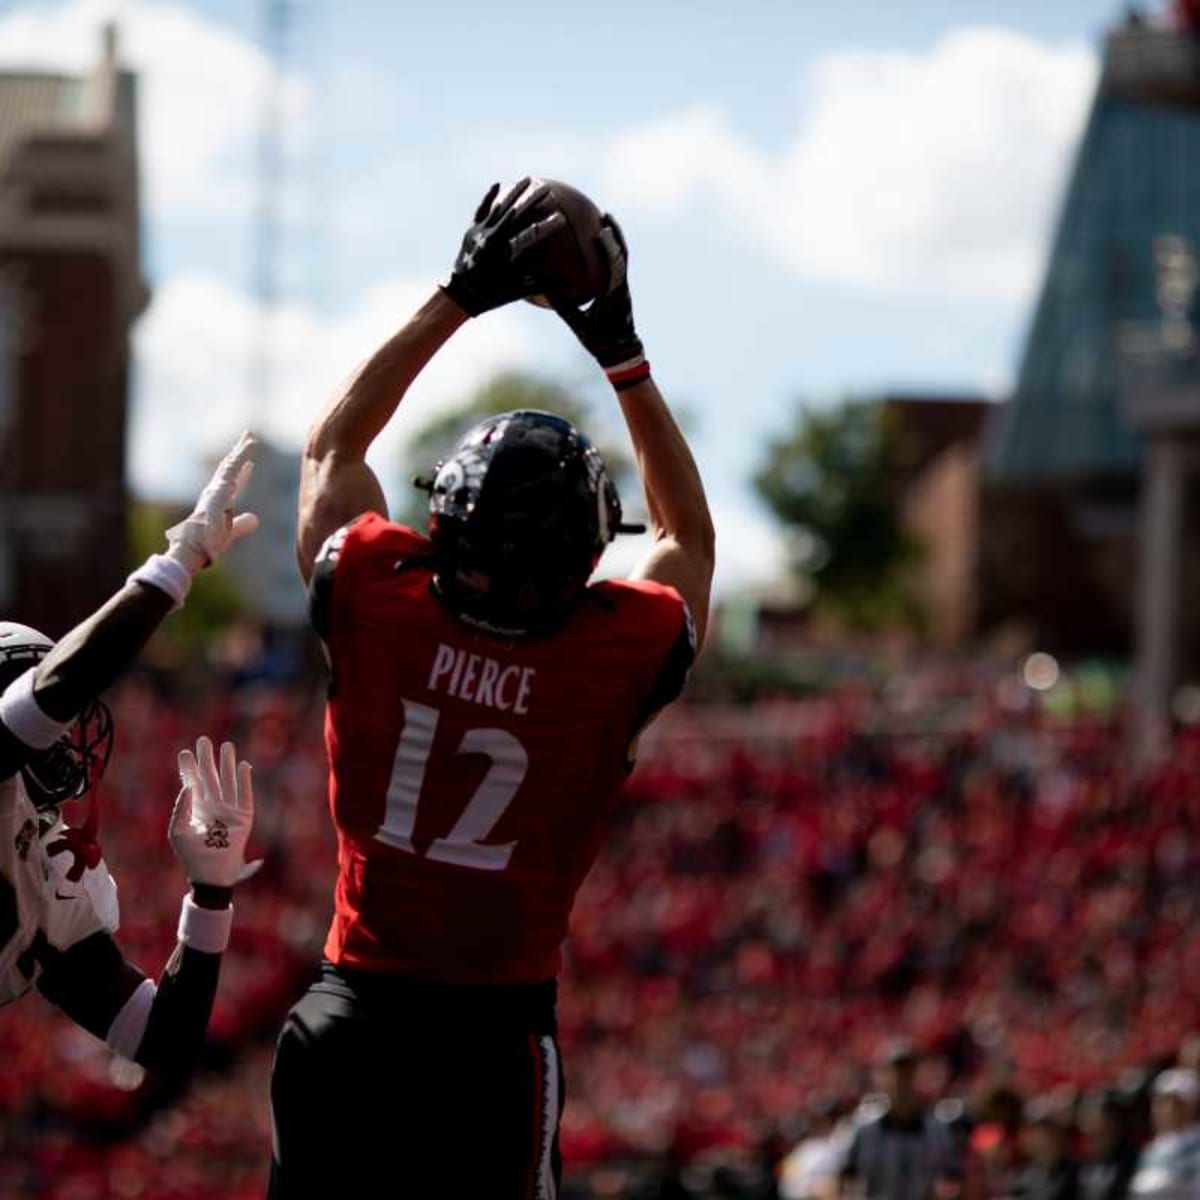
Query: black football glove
487	272
605	325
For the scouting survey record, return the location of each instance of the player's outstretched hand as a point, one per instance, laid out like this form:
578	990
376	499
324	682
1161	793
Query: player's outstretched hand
212	528
213	813
488	272
605	326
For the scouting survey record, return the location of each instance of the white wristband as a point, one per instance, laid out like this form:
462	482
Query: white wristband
205	929
166	574
23	716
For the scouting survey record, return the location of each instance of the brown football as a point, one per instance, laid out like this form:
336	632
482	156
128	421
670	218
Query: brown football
571	262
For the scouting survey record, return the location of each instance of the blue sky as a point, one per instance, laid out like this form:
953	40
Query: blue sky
821	198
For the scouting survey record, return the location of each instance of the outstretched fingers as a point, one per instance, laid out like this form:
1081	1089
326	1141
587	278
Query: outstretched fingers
210	780
536	190
243	525
504	205
245	788
181	814
229	775
485	205
235	462
528	237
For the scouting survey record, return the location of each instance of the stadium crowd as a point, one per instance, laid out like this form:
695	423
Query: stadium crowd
785	889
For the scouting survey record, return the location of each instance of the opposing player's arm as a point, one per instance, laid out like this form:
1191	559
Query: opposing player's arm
336	485
161	1025
36	707
683	552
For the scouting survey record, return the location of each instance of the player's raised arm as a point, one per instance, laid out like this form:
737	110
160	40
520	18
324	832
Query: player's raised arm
160	1026
336	485
684	538
38	705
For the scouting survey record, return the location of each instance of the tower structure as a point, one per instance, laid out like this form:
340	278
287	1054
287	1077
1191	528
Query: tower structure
1104	423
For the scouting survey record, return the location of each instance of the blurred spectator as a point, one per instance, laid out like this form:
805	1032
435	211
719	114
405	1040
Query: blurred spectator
1052	1173
904	1152
1110	1151
995	1156
1169	1167
1189	1052
782	887
810	1171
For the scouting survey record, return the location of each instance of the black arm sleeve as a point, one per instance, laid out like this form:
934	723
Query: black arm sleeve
178	1020
92	980
320	596
672	676
320	585
89	659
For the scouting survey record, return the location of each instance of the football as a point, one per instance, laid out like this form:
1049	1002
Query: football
572	261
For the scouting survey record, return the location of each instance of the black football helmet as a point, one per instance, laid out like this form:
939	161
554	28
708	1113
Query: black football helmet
71	767
520	514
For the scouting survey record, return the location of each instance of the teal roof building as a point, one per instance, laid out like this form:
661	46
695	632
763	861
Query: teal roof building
1136	180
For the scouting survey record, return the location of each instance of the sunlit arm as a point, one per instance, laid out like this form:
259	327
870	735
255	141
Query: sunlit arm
336	485
684	538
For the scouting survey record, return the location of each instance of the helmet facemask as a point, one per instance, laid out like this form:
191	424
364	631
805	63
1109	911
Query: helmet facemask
71	767
74	765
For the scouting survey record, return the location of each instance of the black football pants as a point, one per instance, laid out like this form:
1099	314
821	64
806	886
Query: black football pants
386	1088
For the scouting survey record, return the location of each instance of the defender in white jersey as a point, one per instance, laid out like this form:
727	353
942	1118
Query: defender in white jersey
58	902
37	897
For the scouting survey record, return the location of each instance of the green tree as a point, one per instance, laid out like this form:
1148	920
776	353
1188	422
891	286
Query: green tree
831	481
213	602
503	393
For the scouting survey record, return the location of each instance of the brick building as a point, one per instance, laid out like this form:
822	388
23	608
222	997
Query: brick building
70	289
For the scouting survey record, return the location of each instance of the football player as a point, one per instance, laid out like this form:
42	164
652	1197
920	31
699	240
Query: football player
58	903
483	705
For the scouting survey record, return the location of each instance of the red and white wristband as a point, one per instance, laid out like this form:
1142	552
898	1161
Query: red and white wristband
629	373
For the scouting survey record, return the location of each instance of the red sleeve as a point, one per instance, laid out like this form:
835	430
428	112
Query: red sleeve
656	616
347	555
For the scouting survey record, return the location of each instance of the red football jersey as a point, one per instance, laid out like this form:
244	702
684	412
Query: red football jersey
470	774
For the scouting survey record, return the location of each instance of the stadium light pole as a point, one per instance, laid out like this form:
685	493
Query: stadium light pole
1159	65
276	16
1160	370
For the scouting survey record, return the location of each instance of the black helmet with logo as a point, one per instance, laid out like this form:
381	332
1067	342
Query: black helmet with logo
520	514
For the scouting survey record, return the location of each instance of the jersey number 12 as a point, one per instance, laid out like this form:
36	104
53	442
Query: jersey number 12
464	845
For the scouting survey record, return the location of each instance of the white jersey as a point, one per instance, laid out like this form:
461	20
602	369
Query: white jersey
36	895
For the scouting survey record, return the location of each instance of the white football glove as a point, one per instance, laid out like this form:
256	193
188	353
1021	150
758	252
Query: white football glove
211	821
212	528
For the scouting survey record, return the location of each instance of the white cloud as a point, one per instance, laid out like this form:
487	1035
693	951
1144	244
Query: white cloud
935	170
194	352
200	91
